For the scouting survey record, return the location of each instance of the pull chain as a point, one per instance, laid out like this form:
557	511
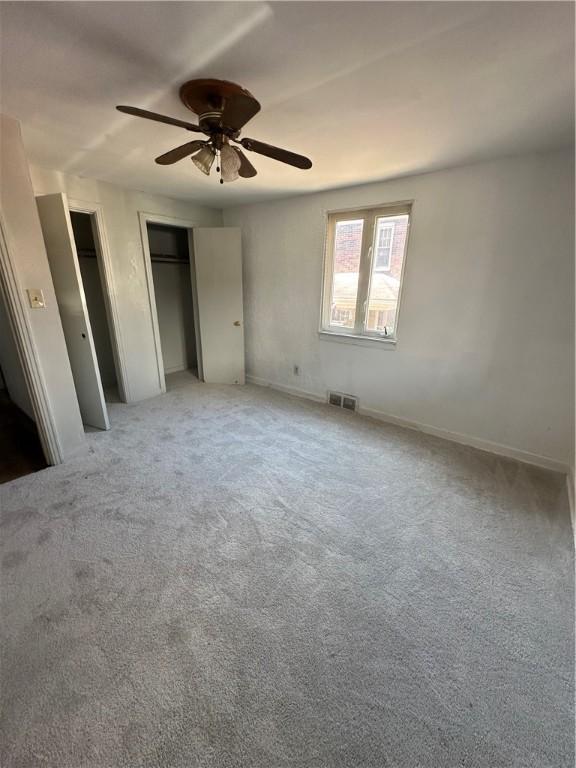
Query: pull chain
218	167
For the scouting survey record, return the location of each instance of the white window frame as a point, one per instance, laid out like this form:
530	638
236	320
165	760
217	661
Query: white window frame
370	216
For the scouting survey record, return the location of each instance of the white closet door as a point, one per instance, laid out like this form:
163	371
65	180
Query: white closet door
218	304
61	250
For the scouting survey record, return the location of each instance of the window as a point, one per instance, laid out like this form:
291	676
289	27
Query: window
363	271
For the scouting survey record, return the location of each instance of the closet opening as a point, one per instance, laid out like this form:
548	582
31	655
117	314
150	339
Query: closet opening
170	261
91	272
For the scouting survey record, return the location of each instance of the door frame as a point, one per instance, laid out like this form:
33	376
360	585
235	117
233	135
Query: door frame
144	218
106	272
13	295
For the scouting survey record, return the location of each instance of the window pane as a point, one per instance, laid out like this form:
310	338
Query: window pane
346	269
384	236
390	241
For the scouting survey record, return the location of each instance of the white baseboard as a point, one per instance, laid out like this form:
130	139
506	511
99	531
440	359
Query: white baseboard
571	500
498	449
285	388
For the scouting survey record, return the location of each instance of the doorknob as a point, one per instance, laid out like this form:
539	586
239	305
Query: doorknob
236	322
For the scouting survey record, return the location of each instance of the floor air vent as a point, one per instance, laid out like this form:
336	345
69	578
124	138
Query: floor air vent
349	402
343	401
335	399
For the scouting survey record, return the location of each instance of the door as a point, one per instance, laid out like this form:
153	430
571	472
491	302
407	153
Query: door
61	250
218	307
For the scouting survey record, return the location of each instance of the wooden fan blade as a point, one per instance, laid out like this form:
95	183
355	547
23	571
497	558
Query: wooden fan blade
238	109
137	112
179	153
246	170
298	161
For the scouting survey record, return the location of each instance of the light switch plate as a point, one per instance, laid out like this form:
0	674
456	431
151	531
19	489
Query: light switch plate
36	298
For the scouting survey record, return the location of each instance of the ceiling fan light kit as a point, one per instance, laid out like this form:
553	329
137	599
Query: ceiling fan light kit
229	163
223	109
204	159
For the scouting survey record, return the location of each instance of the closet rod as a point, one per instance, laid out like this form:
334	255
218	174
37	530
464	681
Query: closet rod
168	259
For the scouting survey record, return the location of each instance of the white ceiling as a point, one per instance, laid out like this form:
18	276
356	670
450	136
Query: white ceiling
368	91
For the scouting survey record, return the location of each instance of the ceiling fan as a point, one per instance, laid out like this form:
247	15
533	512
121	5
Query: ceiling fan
223	109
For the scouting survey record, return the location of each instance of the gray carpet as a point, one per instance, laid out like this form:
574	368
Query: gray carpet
233	577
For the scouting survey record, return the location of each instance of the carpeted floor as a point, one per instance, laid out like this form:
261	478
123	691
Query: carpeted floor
233	577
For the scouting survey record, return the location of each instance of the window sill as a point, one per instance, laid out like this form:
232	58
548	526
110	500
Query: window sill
361	341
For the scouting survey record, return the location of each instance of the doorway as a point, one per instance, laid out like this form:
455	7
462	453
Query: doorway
20	447
91	271
59	239
171	276
215	315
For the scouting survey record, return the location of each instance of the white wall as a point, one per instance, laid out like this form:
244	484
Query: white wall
120	210
486	331
28	254
173	292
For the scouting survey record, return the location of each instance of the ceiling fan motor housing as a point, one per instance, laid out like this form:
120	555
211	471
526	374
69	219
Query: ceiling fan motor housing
210	121
219	104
